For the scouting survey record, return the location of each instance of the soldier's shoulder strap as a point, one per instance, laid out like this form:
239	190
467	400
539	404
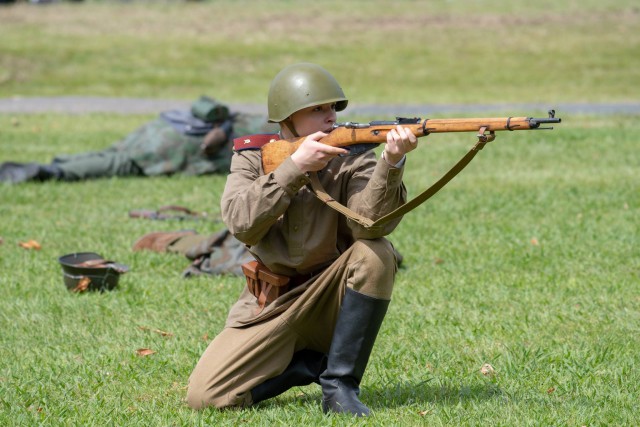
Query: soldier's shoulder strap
254	142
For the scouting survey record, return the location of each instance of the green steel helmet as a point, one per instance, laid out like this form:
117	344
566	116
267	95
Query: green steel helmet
300	86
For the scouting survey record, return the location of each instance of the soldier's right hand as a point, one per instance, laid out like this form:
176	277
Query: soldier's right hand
312	155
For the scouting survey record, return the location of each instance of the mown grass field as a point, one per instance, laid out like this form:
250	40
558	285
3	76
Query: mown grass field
475	51
529	261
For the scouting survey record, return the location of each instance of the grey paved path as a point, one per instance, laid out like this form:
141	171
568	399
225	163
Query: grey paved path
80	105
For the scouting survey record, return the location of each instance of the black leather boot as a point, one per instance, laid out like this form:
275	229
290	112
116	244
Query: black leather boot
22	172
50	171
304	369
356	330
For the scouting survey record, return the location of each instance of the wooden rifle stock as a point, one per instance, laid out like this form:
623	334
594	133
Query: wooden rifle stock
349	134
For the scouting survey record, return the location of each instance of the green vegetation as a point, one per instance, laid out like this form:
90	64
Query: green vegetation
529	261
393	52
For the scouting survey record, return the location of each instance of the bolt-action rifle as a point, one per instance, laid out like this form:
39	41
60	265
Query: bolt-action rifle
359	137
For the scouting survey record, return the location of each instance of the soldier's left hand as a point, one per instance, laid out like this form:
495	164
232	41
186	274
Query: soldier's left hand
399	142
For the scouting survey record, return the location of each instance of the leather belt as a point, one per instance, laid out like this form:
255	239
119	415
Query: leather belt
298	280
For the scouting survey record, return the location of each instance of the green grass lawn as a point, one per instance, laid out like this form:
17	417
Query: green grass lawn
529	261
407	51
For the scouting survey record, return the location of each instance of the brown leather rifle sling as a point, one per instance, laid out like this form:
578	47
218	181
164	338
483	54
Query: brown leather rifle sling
321	194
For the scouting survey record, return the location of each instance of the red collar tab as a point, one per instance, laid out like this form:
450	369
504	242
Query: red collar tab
254	142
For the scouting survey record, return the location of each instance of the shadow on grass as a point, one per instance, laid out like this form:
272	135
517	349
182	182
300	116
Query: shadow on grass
399	395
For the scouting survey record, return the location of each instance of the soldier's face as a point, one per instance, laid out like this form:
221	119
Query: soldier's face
314	119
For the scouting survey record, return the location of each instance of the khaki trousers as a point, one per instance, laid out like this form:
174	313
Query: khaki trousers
242	357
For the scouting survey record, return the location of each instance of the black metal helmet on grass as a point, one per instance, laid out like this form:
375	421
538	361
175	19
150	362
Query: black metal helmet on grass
89	271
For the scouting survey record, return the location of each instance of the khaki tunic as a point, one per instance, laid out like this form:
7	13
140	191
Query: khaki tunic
292	232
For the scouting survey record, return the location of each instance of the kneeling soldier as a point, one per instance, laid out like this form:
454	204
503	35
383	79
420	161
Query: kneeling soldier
317	296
